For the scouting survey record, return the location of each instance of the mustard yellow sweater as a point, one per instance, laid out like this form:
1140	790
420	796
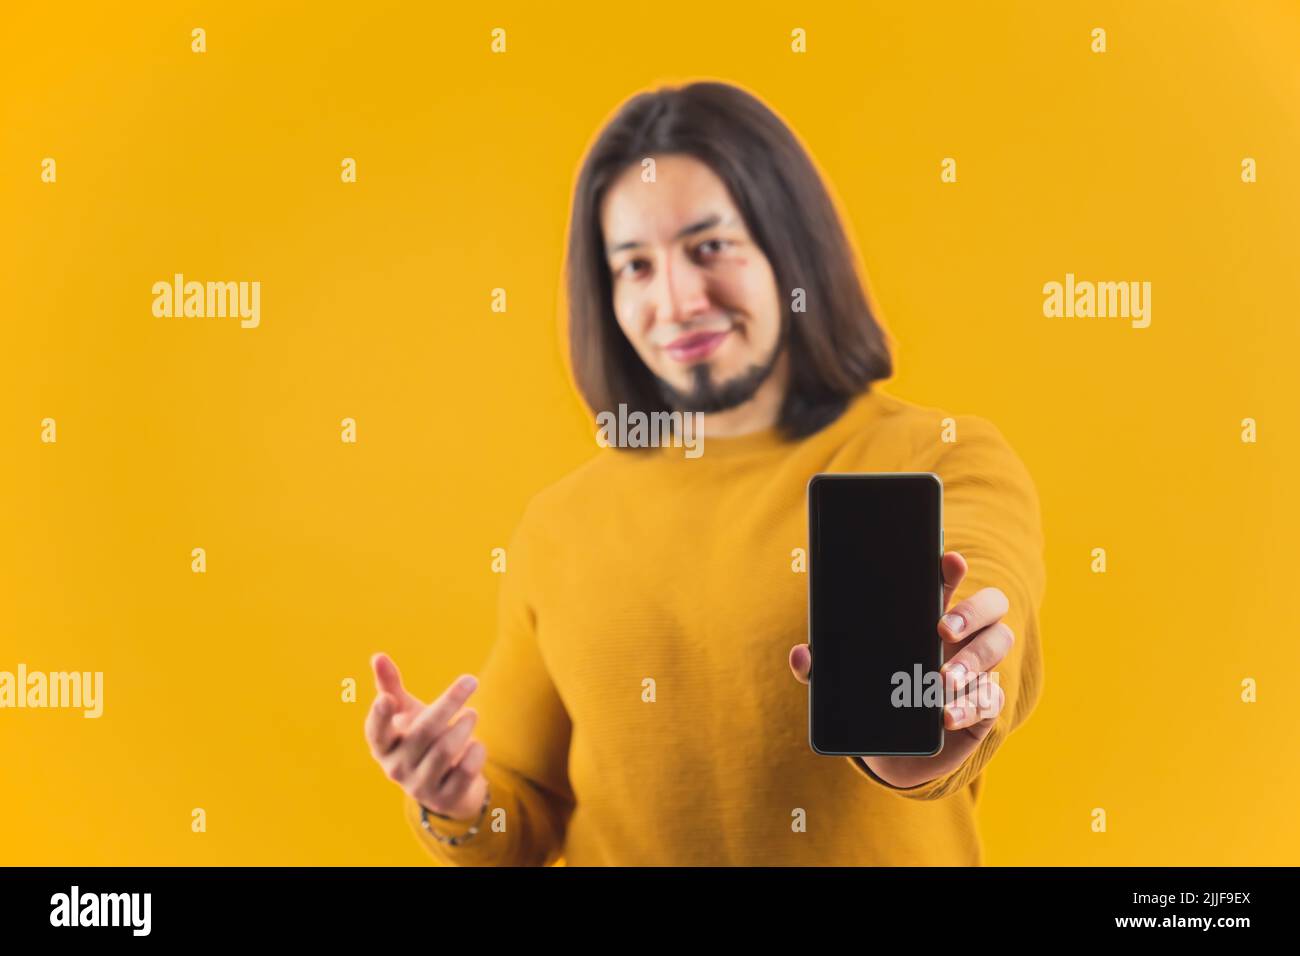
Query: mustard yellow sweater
638	707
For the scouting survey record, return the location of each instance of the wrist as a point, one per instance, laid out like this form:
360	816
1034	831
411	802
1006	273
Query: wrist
454	830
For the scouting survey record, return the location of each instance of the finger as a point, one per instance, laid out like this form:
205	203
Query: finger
979	610
953	566
983	651
425	726
801	662
389	680
446	751
978	707
402	763
380	733
452	788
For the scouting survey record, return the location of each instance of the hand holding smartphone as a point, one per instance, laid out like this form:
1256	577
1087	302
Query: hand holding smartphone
875	596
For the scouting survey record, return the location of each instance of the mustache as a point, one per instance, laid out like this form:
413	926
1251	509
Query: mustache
677	331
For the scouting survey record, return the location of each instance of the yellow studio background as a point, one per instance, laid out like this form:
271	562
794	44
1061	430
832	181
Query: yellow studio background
222	690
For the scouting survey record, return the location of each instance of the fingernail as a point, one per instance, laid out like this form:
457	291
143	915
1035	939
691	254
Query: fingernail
957	672
467	684
958	713
955	622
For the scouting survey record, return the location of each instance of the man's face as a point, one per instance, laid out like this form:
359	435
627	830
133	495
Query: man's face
693	293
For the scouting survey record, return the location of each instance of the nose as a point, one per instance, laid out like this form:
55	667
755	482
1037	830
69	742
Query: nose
679	291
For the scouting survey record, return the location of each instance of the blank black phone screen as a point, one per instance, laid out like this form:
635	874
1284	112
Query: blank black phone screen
875	595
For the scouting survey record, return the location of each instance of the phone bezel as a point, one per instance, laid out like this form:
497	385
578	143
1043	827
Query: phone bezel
881	475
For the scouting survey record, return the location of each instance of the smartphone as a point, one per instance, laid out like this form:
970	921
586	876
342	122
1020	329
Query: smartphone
875	596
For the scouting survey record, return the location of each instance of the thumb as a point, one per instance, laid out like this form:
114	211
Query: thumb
389	681
801	662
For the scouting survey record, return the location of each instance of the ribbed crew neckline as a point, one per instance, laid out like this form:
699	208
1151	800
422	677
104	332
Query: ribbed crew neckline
766	439
770	439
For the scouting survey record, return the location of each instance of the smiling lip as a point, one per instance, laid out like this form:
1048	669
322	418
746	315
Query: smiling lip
697	345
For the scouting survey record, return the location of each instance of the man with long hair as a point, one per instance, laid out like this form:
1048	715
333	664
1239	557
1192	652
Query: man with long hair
637	707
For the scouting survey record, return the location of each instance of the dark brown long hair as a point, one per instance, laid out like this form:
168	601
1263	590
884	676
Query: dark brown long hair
836	348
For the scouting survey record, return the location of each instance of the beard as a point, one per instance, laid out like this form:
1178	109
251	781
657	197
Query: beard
706	394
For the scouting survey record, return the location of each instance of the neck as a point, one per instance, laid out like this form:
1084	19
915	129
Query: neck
760	412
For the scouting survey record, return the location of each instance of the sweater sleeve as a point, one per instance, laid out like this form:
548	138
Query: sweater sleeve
992	517
525	728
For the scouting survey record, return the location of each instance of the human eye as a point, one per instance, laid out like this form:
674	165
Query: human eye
717	243
624	267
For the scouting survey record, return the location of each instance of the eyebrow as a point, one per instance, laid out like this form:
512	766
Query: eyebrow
706	223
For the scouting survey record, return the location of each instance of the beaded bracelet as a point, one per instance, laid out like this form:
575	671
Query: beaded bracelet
460	838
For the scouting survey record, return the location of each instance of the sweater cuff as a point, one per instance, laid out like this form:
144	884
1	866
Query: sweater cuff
922	791
446	827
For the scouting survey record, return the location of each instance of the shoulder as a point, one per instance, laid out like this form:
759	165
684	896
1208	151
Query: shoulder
581	491
920	437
